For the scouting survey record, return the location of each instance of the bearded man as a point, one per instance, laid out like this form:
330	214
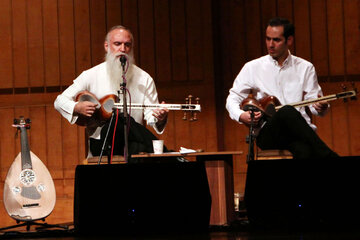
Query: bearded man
105	79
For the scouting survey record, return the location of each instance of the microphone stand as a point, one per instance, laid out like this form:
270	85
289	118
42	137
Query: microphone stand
123	90
250	138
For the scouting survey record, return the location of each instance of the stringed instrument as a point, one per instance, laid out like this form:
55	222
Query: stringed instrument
270	104
29	191
108	103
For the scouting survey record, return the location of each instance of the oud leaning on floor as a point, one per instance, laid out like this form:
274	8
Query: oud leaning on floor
105	79
290	79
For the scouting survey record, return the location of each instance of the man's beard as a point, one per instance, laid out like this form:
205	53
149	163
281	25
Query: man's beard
115	69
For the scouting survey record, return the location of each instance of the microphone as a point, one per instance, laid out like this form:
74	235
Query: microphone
123	61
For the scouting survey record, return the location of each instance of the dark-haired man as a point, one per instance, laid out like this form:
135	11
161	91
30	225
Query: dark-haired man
290	79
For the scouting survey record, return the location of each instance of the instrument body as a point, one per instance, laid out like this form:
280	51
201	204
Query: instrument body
29	191
103	110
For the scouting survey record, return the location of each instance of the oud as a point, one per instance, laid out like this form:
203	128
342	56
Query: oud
29	191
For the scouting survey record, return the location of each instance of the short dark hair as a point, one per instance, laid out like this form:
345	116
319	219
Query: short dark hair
289	29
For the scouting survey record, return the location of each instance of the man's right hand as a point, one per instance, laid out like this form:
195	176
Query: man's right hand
245	117
85	108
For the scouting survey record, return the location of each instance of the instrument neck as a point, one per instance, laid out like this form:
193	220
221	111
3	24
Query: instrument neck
25	149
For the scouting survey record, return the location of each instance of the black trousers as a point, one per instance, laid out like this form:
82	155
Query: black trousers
287	129
139	139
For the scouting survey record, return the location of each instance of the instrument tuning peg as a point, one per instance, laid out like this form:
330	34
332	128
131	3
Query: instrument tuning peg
191	114
185	114
190	99
15	121
343	86
194	114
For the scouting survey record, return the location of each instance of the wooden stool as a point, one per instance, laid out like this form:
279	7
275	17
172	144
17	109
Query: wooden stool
272	154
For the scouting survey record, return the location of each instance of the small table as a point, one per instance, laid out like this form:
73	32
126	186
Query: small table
219	168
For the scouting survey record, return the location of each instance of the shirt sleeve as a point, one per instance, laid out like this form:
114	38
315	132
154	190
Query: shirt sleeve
239	91
65	102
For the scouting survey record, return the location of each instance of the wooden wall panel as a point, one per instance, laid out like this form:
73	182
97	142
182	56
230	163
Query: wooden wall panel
51	42
67	60
37	132
236	44
8	141
35	44
147	37
54	143
354	127
340	127
97	30
255	32
130	19
325	124
352	36
178	38
335	37
285	8
82	36
162	42
268	9
6	58
303	34
195	42
20	49
319	41
113	13
70	145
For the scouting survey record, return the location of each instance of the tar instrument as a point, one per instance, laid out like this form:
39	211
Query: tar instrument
108	103
270	104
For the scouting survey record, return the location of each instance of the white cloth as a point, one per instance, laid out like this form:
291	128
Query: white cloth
96	80
294	81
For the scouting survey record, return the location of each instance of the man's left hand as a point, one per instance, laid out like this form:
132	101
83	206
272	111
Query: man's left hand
161	114
321	107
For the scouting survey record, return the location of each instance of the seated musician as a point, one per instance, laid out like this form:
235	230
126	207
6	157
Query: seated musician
290	79
105	79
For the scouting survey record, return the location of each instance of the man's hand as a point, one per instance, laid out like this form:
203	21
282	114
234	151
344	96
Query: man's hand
85	108
321	107
245	117
161	113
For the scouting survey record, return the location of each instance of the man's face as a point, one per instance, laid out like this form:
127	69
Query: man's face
276	43
119	42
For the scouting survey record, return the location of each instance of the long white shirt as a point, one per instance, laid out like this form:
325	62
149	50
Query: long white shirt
96	80
294	81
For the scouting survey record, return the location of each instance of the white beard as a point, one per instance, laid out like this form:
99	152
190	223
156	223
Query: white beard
115	69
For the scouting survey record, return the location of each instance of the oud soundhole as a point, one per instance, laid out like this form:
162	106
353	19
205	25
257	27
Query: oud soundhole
27	177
